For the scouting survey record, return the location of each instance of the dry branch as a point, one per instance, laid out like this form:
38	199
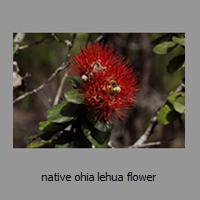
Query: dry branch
146	134
62	67
150	144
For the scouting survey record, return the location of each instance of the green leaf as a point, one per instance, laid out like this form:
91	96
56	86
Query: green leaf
103	125
176	63
179	104
76	81
98	138
177	99
44	124
179	40
167	115
63	112
41	144
183	118
173	109
172	97
74	96
14	48
63	145
49	129
164	47
32	138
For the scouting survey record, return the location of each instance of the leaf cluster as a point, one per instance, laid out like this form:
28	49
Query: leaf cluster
174	107
67	127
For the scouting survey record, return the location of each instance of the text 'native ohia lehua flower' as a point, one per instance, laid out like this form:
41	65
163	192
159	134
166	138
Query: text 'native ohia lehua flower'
108	82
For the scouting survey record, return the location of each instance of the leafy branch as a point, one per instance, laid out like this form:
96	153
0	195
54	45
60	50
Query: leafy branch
153	122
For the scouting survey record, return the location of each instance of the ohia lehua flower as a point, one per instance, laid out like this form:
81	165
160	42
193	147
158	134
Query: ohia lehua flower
109	83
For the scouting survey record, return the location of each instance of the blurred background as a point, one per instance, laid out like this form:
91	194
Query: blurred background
38	55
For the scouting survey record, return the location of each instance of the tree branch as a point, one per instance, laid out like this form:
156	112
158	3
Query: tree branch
146	134
65	42
62	67
59	91
153	122
150	144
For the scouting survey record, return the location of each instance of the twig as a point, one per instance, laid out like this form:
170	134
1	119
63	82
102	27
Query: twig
31	44
17	40
99	38
110	145
70	47
59	91
152	124
146	134
150	144
66	42
63	66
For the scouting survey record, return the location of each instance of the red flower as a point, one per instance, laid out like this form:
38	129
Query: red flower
109	85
